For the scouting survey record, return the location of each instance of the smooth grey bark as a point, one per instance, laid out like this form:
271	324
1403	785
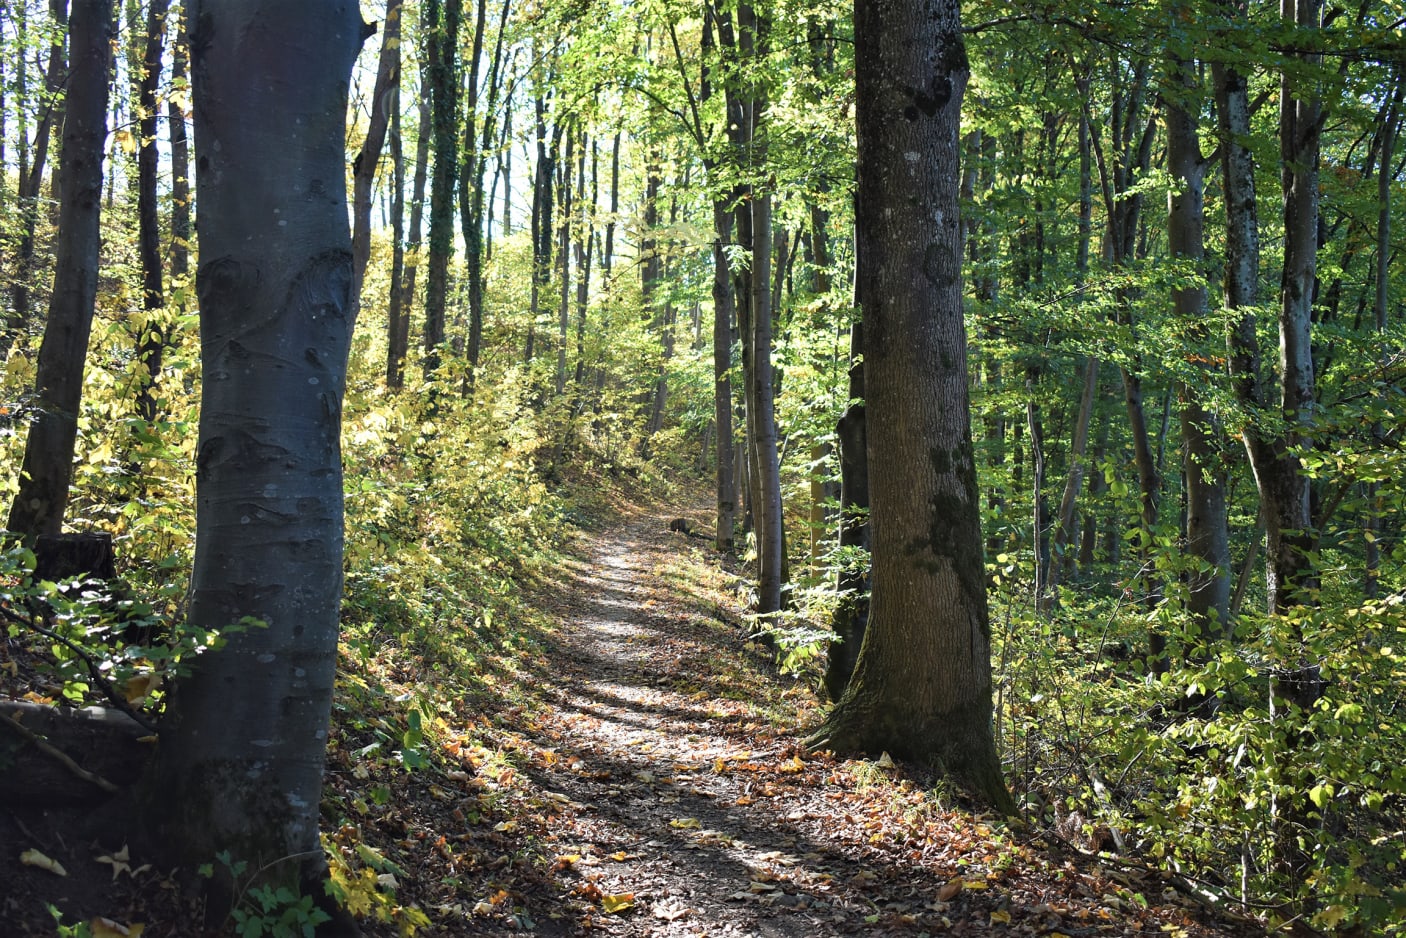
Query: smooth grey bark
242	746
922	686
1207	525
47	469
152	336
383	97
753	43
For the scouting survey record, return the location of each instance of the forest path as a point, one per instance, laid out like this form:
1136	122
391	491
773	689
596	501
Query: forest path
681	804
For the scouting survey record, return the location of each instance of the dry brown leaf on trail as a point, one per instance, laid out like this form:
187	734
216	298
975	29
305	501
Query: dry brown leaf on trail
949	890
670	913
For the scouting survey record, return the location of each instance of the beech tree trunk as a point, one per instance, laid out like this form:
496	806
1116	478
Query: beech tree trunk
39	505
1207	527
241	758
922	686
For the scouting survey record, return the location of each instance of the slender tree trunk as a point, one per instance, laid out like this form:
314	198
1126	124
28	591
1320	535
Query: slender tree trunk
399	345
475	166
242	772
398	337
384	96
922	685
181	230
754	45
152	330
1207	526
564	261
852	614
31	174
444	21
1372	524
39	505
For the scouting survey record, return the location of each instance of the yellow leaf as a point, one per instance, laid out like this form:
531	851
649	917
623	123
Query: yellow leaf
125	140
504	827
975	884
36	859
107	928
1003	918
685	823
618	903
793	765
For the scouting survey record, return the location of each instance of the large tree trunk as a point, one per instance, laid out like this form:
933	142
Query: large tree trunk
39	505
241	758
922	686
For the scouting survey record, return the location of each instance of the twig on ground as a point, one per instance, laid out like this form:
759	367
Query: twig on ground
58	755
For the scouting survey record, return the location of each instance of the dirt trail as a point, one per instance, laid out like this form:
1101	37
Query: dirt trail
684	811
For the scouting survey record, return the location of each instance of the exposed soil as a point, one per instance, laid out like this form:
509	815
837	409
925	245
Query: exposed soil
659	789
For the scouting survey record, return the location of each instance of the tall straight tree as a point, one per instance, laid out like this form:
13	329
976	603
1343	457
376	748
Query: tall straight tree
151	338
39	505
443	40
1207	528
922	686
241	758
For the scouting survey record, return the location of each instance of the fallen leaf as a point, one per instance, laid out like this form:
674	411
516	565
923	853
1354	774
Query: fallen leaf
107	928
949	890
37	859
975	884
885	761
618	903
1001	918
670	913
121	863
685	823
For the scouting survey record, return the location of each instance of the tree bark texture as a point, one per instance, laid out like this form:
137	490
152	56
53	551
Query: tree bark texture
1207	525
241	758
151	338
922	685
444	18
39	505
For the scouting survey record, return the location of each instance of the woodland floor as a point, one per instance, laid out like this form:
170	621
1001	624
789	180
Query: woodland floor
651	783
